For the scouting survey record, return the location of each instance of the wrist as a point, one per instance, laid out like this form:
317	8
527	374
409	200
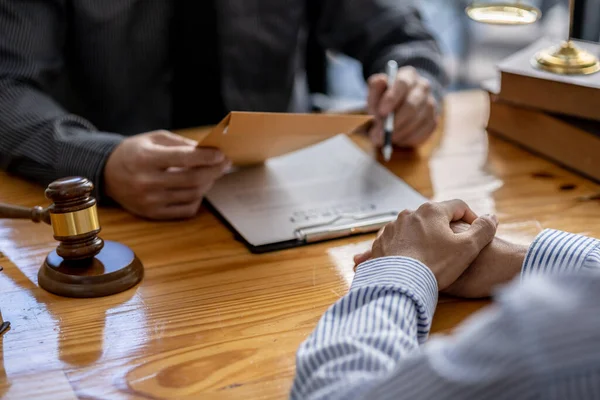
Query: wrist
106	179
511	256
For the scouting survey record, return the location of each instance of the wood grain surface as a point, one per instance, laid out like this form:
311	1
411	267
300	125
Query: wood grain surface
210	320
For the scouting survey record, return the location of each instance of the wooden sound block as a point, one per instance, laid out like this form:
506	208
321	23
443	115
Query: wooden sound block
113	270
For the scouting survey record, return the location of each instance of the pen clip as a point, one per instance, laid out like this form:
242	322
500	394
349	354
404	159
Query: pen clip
328	230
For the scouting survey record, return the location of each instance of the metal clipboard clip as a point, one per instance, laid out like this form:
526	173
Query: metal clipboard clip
332	230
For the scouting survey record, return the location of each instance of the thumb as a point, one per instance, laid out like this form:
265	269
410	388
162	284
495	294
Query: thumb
184	157
481	232
166	138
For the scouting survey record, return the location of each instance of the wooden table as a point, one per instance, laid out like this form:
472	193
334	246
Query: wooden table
211	320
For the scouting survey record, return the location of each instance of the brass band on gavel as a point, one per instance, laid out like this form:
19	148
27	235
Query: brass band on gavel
75	223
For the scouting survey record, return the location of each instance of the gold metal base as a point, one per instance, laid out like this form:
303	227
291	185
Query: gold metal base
566	59
503	13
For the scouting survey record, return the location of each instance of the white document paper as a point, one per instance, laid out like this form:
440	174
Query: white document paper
333	183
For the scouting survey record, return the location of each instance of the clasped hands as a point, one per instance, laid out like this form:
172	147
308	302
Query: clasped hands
459	247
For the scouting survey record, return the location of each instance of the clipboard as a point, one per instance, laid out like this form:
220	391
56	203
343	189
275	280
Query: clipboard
314	234
324	192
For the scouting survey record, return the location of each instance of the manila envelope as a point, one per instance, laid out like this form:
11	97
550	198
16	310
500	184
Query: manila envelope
248	138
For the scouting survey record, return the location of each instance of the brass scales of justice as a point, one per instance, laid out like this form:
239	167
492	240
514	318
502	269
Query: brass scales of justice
563	59
83	265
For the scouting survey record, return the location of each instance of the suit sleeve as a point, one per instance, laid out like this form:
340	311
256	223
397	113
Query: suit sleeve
376	31
40	140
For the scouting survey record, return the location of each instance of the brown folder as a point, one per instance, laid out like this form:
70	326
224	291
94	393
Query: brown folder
248	138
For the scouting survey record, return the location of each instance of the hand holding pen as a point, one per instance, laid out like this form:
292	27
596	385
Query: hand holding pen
401	101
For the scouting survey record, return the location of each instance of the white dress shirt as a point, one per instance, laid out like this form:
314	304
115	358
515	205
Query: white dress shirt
539	340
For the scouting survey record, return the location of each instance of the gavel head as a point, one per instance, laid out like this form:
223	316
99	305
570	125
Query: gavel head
74	218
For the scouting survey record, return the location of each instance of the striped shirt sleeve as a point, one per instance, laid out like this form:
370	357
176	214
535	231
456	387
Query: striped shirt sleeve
384	317
557	252
370	344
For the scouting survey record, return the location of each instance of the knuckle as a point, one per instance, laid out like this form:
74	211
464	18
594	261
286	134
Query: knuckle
374	79
141	155
410	70
429	208
461	203
404	213
487	226
426	85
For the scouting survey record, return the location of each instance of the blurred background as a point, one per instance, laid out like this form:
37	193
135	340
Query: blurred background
471	49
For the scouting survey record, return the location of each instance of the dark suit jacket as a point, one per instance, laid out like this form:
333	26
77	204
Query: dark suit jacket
77	75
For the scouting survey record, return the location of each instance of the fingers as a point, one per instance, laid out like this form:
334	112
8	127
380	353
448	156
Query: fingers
376	133
452	210
422	133
166	138
415	113
480	233
179	211
184	196
408	119
459	226
413	110
377	84
405	81
167	198
200	182
165	149
410	96
163	157
191	178
158	191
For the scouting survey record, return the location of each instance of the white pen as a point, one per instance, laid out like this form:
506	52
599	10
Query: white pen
391	69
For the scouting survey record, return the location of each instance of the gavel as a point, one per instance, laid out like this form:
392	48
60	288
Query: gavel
82	265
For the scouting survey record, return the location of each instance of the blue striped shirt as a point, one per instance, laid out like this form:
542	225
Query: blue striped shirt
540	339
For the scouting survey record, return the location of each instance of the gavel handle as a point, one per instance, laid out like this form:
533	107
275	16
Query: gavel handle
36	214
